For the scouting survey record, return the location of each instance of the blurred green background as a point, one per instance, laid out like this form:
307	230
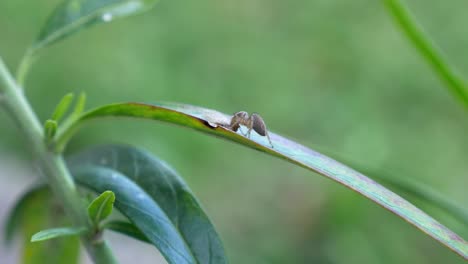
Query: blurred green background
337	76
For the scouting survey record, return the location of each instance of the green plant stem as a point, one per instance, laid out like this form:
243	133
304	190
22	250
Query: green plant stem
51	164
428	50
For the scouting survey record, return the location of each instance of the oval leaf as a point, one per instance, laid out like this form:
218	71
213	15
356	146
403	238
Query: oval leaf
57	232
140	208
167	189
101	207
73	15
215	123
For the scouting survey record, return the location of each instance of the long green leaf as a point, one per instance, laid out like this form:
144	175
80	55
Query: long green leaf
423	192
57	232
127	229
454	82
71	16
408	185
74	15
213	122
165	187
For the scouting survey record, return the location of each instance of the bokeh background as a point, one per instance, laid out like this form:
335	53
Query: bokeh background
337	76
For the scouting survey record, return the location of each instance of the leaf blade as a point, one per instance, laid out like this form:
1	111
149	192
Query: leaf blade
101	207
16	214
213	122
138	206
37	203
167	189
57	232
62	107
73	15
127	229
403	17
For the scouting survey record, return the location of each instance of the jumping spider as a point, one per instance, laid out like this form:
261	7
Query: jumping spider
254	122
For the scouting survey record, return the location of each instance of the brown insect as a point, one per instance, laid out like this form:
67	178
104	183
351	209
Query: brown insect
253	121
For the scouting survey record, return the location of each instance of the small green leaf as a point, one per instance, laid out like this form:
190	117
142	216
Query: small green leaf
101	207
126	228
72	16
50	128
217	124
79	106
57	232
78	109
62	107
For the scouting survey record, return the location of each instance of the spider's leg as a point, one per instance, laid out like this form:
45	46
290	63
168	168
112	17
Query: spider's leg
269	140
235	124
241	131
249	125
244	134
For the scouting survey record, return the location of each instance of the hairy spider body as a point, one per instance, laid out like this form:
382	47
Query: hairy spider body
254	121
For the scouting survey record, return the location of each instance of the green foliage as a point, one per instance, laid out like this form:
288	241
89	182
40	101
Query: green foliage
35	210
161	208
71	16
154	198
62	107
428	195
79	107
17	214
50	128
127	229
101	207
454	82
57	232
416	189
74	15
213	122
51	125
